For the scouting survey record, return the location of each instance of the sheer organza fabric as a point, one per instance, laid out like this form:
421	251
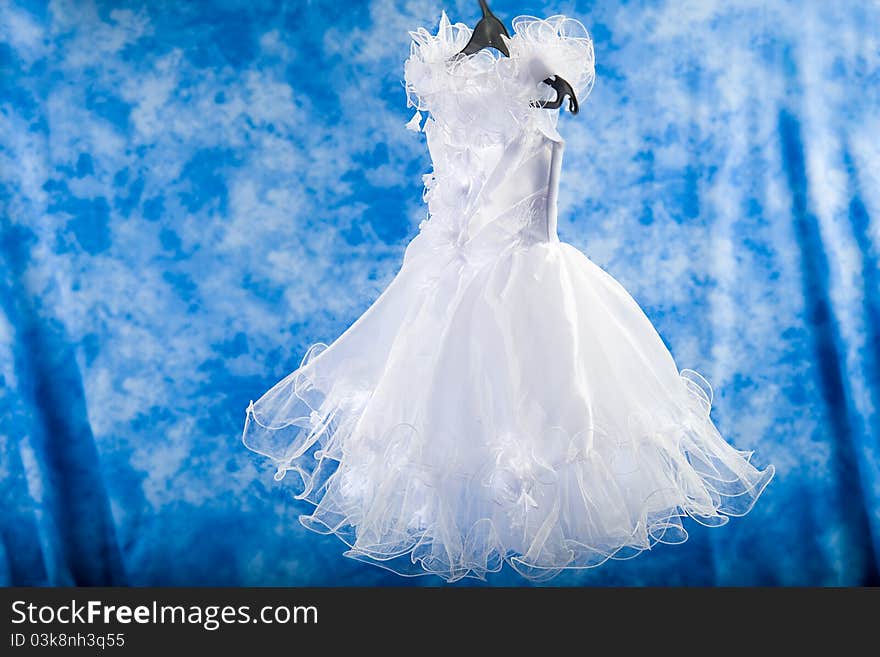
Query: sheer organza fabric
504	400
485	96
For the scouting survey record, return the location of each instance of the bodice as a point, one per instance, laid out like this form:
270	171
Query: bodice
496	156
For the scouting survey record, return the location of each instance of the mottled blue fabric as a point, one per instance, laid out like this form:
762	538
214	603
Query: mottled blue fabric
193	193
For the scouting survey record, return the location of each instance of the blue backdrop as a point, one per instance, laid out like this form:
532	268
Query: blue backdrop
193	193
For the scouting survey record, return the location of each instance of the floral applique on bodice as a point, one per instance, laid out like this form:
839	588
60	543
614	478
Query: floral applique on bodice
496	155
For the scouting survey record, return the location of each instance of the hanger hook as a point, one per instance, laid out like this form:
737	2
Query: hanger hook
487	32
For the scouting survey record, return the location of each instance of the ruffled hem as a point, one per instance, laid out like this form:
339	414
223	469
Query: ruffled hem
586	498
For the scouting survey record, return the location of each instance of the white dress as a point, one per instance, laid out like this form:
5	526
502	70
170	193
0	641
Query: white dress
504	399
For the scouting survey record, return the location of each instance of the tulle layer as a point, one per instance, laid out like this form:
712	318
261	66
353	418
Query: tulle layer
520	409
480	96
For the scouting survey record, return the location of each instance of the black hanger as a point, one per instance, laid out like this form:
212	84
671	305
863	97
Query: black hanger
487	34
563	89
